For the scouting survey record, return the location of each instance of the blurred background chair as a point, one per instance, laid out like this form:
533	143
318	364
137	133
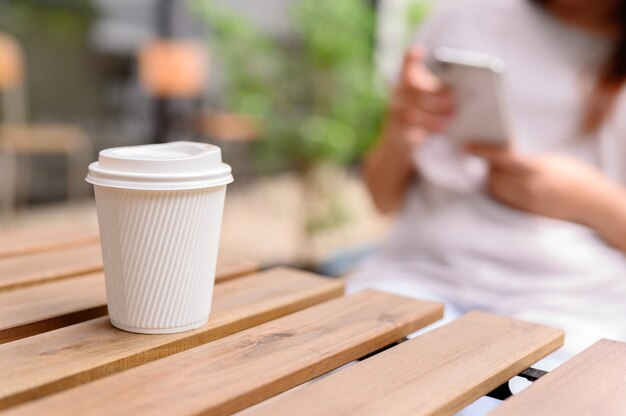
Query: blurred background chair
20	140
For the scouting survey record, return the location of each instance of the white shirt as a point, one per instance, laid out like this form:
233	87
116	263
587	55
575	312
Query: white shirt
477	253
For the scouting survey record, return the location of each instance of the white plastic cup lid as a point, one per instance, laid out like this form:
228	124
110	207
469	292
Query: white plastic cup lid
169	166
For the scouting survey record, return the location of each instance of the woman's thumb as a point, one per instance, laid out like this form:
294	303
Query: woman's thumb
412	59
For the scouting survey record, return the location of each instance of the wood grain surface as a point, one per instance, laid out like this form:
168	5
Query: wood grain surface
56	360
228	268
33	310
21	242
36	309
35	268
42	267
235	372
437	373
592	383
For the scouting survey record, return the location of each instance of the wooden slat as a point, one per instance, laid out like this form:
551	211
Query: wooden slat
33	310
28	270
56	360
41	308
235	372
590	384
31	269
21	242
437	373
231	268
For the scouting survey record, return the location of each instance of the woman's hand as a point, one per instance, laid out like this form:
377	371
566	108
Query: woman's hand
549	185
559	187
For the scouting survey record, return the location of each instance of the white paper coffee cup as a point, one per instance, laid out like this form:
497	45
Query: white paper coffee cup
160	213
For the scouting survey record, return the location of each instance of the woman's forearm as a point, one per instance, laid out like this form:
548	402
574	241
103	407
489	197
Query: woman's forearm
607	215
389	169
420	103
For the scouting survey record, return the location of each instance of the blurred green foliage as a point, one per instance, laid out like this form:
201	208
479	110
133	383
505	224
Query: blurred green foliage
314	92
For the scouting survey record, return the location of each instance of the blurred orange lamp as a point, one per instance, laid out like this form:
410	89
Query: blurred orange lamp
11	62
173	68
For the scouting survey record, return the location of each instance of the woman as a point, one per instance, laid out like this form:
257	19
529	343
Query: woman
544	237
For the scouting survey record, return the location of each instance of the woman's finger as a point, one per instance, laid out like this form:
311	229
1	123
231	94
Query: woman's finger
441	102
412	61
416	116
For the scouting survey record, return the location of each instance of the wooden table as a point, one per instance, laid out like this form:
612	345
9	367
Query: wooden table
270	333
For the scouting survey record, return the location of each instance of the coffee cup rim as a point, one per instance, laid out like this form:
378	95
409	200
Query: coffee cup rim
167	166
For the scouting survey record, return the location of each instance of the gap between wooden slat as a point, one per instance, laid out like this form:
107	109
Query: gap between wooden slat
14	244
57	360
41	308
32	269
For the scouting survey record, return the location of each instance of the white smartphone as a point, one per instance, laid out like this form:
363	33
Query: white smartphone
476	80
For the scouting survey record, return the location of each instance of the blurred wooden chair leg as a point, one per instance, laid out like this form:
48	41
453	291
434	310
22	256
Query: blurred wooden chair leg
14	105
24	174
8	167
77	163
74	168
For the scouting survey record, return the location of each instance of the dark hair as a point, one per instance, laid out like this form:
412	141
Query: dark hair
612	74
